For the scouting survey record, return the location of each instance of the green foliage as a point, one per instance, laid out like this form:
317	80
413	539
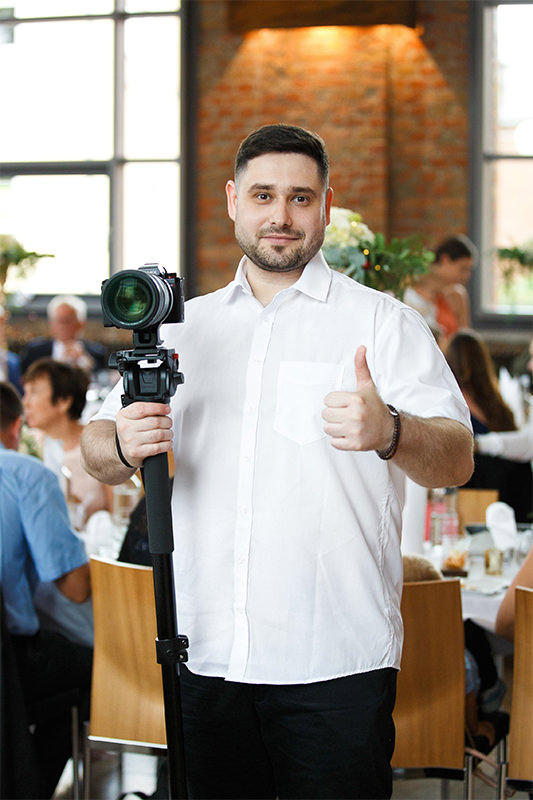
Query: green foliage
13	254
516	261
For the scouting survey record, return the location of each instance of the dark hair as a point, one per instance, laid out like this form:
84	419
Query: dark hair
456	247
10	405
282	138
469	358
66	380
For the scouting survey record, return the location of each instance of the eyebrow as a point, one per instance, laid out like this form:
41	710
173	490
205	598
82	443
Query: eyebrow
267	187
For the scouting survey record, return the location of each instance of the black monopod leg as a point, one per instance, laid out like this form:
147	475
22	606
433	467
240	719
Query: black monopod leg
171	648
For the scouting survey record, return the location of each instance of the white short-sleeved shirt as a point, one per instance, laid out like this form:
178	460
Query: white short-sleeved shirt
287	551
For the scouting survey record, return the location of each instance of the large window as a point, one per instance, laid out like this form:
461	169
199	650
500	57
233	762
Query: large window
503	161
90	137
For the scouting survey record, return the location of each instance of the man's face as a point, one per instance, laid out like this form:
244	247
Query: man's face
280	209
65	325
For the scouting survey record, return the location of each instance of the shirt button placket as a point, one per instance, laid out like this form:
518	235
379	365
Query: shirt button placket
244	517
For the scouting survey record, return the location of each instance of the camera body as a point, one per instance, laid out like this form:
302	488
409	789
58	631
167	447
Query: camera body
142	299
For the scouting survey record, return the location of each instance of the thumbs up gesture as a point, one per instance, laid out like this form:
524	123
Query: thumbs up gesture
358	420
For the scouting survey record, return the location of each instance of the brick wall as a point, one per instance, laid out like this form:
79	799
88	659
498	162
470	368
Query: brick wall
390	102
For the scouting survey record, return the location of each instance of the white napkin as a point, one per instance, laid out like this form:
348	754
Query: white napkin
512	394
500	520
99	533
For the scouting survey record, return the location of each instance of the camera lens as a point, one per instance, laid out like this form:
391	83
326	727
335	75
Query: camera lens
136	299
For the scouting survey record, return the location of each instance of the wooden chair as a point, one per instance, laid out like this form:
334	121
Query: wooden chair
127	707
520	766
472	505
430	704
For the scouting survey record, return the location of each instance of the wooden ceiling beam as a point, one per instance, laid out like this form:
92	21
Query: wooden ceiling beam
247	15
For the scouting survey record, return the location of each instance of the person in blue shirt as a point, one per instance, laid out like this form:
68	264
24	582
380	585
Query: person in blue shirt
37	544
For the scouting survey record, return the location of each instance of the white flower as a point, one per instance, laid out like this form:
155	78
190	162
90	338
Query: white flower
346	229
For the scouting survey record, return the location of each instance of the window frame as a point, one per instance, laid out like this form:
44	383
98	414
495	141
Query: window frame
113	167
479	155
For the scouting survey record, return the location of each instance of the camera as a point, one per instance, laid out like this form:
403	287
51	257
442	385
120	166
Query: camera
142	299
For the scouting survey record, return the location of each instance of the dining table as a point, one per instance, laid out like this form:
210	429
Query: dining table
481	592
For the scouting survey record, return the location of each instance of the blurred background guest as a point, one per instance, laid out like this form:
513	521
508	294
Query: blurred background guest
9	362
471	363
516	445
440	295
38	544
67	315
54	399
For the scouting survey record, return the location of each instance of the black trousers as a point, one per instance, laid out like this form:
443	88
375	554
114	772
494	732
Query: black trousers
48	663
332	739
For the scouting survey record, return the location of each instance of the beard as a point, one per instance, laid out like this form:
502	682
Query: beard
279	258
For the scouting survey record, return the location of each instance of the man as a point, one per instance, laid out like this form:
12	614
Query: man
37	544
67	315
286	521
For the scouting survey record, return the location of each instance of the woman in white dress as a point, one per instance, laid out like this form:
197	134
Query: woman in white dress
54	399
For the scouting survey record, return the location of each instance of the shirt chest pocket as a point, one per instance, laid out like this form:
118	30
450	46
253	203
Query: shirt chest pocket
302	387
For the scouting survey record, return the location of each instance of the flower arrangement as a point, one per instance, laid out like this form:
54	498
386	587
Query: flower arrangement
351	247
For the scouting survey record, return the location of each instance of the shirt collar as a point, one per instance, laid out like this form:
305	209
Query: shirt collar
314	281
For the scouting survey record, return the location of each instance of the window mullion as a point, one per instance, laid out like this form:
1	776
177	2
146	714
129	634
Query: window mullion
117	169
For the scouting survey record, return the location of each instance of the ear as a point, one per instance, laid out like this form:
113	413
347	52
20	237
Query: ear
11	435
329	201
231	195
63	404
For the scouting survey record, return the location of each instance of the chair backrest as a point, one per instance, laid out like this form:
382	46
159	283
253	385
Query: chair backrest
430	703
521	722
127	693
472	505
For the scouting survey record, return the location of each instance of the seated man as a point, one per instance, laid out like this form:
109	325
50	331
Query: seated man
66	319
38	544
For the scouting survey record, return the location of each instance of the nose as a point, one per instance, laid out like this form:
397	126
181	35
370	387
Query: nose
280	215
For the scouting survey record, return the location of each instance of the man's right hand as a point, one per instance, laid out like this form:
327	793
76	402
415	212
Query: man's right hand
144	429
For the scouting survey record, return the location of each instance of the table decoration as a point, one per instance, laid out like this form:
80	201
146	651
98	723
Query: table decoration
350	246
